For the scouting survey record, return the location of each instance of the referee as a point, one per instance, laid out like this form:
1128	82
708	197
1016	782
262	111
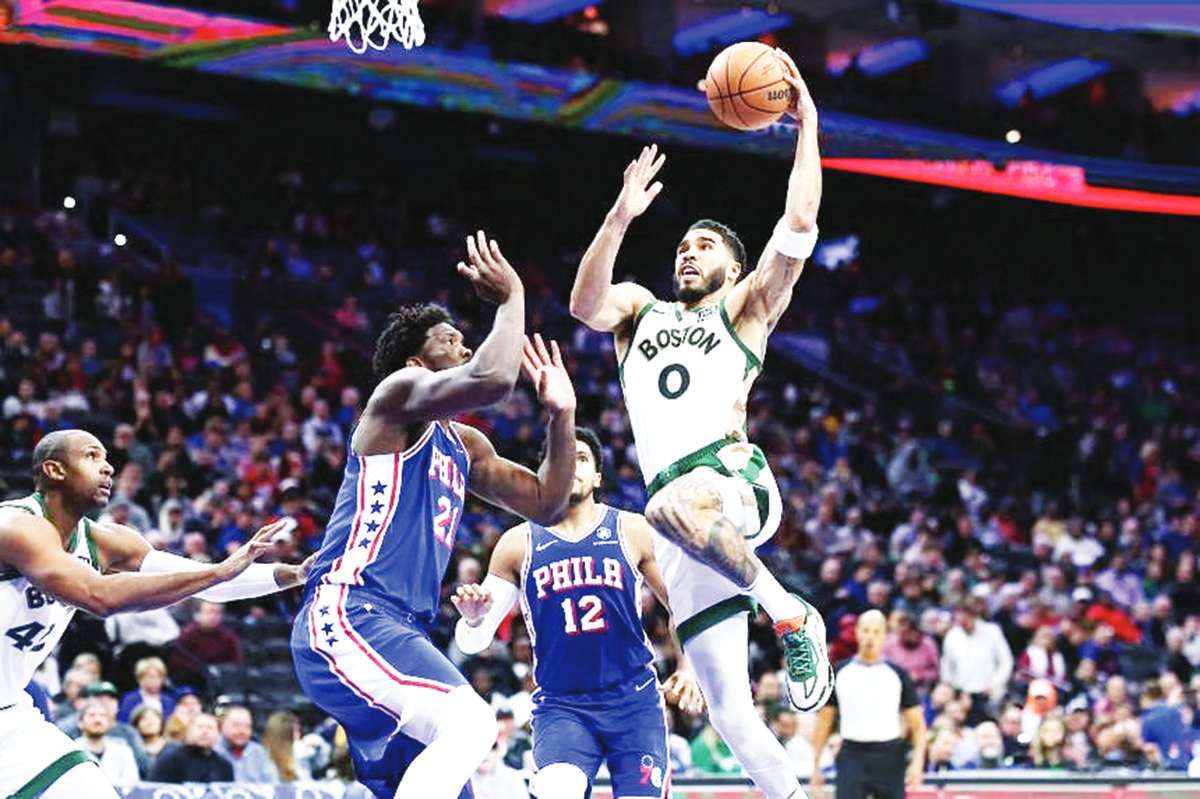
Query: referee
871	695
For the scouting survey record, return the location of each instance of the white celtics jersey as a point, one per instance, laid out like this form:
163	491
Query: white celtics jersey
31	623
686	378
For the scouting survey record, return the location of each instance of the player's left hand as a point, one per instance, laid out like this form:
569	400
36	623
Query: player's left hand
473	602
544	368
803	108
913	776
683	689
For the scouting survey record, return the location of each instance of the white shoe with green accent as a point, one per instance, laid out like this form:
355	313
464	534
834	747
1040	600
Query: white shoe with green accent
806	660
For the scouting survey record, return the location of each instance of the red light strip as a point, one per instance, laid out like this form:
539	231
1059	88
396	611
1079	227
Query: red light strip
1031	180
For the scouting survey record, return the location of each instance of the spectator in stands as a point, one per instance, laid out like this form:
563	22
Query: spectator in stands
207	641
140	634
151	675
1046	750
250	759
194	760
149	723
73	683
1163	729
990	746
1106	612
113	755
976	660
280	737
187	707
1040	660
1040	702
912	650
711	755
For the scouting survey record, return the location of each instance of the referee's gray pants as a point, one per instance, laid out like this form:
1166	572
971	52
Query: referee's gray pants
872	770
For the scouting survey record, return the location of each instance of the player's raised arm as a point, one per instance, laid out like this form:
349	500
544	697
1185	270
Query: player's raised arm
767	292
595	301
33	547
538	496
415	392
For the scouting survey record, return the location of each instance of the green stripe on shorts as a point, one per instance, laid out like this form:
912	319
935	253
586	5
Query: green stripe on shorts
47	776
714	615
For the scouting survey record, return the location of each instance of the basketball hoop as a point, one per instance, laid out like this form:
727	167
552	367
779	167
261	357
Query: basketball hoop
375	23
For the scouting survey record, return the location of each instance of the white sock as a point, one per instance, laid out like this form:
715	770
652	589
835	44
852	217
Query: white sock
720	658
465	734
777	601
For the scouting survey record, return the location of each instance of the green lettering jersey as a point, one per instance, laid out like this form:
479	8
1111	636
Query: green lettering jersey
686	378
31	622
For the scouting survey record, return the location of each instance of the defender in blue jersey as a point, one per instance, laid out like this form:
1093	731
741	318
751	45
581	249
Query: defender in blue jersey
579	587
360	641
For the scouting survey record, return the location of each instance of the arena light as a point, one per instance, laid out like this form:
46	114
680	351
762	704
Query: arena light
120	240
68	202
1031	180
1013	136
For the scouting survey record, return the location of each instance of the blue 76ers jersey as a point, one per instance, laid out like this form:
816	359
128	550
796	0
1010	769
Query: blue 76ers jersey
393	526
582	606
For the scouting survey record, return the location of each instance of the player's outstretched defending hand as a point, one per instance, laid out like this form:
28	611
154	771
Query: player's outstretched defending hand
258	545
473	602
683	690
638	192
489	271
544	368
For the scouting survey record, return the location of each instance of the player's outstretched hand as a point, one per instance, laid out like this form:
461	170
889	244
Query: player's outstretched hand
258	545
473	602
489	271
803	108
638	191
544	368
682	689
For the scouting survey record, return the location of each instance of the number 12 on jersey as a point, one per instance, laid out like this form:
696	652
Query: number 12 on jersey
592	620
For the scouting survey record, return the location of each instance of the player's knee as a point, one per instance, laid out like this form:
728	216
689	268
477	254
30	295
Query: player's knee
469	720
559	781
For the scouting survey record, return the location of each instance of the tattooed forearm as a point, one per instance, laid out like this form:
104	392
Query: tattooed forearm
689	514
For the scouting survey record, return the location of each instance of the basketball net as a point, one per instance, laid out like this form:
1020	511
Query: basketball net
375	23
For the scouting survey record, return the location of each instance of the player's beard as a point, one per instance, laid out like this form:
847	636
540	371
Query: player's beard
714	282
579	496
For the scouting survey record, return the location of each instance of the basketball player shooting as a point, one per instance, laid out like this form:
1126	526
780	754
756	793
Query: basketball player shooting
686	370
54	559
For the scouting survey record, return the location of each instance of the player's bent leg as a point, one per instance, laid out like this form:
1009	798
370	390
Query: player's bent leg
85	779
690	511
458	733
559	781
721	660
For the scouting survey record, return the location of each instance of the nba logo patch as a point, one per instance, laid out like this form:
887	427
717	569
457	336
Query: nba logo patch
604	533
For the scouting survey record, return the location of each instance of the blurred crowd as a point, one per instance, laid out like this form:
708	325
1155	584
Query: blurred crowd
1012	481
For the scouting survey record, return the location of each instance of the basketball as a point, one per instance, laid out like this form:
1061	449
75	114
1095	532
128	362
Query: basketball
746	87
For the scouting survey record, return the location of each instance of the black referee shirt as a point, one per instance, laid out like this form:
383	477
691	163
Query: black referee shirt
869	699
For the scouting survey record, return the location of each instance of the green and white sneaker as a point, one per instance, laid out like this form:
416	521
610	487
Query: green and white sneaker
809	673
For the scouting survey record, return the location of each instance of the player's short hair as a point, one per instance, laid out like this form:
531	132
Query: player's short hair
404	335
727	234
588	436
52	447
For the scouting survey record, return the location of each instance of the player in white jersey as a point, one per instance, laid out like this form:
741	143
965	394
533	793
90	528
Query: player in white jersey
686	371
53	559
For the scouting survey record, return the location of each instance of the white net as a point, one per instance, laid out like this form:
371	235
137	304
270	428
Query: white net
376	23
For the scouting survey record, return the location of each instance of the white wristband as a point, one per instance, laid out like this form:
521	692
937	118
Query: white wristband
792	243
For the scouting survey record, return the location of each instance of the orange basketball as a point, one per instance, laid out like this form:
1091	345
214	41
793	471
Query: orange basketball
745	86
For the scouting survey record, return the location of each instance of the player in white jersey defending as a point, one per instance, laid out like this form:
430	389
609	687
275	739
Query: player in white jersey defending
53	559
686	371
